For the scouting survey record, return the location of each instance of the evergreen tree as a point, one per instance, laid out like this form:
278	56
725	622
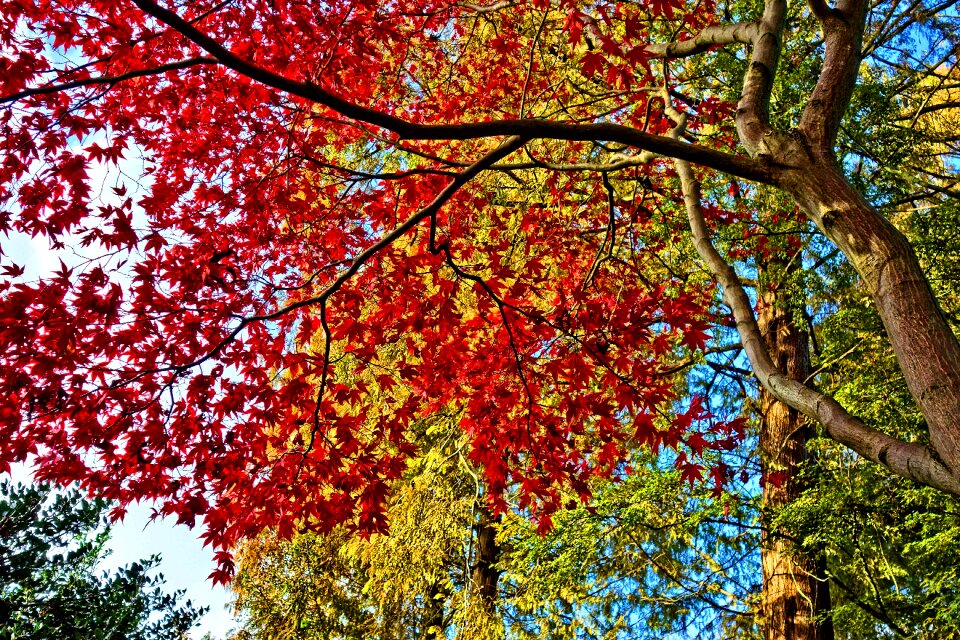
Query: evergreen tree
50	589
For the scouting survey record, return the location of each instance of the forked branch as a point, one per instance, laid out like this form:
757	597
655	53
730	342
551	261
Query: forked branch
909	460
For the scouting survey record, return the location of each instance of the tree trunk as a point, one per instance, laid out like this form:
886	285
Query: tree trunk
805	166
926	349
922	340
433	608
485	572
795	590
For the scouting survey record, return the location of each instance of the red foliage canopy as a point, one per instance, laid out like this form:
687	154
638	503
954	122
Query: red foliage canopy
334	223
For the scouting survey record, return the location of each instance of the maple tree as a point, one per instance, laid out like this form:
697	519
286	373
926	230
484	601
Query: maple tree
313	170
829	523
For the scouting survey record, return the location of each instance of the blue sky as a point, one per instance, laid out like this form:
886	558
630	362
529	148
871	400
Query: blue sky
185	563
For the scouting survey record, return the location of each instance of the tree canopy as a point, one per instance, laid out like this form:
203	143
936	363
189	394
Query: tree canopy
338	219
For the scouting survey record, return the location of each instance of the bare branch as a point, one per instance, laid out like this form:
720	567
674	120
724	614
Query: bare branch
820	9
356	174
930	108
745	33
503	4
843	40
753	121
910	460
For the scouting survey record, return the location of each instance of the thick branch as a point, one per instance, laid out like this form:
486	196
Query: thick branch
820	9
744	33
843	38
753	120
528	128
909	460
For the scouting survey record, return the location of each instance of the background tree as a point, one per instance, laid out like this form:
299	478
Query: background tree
50	589
428	575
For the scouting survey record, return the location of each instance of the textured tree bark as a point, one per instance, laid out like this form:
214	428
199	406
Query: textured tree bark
485	572
908	459
924	344
922	340
795	590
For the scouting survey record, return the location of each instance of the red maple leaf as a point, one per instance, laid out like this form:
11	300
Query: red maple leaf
592	63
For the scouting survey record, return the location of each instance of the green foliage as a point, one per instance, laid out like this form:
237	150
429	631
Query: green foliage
650	558
890	545
891	549
50	545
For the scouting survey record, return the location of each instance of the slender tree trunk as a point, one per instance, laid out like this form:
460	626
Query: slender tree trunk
485	572
433	609
795	591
